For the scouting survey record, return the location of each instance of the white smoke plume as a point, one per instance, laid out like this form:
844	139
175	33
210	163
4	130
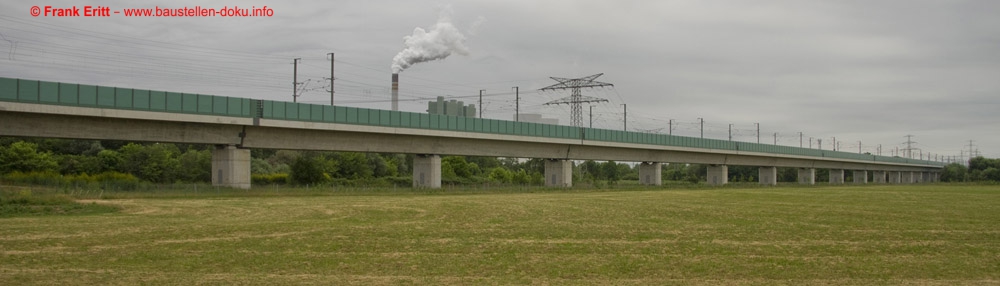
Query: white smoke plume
441	41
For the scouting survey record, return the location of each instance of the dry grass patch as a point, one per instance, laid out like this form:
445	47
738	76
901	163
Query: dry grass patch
851	235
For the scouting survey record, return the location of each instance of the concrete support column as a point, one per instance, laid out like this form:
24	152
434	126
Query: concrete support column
231	167
836	176
878	177
717	175
895	177
925	177
937	177
860	177
558	173
807	176
768	175
650	173
906	177
427	171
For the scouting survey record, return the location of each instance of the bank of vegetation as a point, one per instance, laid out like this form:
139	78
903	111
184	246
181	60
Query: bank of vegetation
117	165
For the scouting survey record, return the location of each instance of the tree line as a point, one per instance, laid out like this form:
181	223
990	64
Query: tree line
980	169
166	163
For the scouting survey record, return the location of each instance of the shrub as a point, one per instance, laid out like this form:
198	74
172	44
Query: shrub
269	179
308	170
500	175
24	157
26	203
106	180
399	181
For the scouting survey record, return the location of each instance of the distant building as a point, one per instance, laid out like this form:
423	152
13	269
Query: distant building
451	107
536	118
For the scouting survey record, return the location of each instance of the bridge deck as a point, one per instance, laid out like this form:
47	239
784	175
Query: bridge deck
90	96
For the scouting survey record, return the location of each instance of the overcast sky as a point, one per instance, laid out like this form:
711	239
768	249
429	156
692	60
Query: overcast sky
869	71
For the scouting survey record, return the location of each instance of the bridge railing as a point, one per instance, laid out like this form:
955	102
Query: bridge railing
386	118
42	92
71	94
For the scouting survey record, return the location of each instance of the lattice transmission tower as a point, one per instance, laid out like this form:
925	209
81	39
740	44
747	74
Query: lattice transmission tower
576	99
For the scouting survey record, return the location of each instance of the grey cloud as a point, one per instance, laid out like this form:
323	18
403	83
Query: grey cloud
875	70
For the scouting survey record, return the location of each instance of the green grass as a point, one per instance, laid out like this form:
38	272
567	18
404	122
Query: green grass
16	202
861	235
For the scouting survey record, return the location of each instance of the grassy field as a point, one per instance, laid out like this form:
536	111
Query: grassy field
914	234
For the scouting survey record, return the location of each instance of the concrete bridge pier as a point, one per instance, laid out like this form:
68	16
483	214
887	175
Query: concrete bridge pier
558	173
907	178
895	177
427	171
836	176
860	177
231	167
878	177
650	173
717	175
807	176
768	175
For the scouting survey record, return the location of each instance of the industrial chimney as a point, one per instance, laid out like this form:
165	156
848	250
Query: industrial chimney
395	92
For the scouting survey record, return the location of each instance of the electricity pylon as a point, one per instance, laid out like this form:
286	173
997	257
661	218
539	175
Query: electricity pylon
576	99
